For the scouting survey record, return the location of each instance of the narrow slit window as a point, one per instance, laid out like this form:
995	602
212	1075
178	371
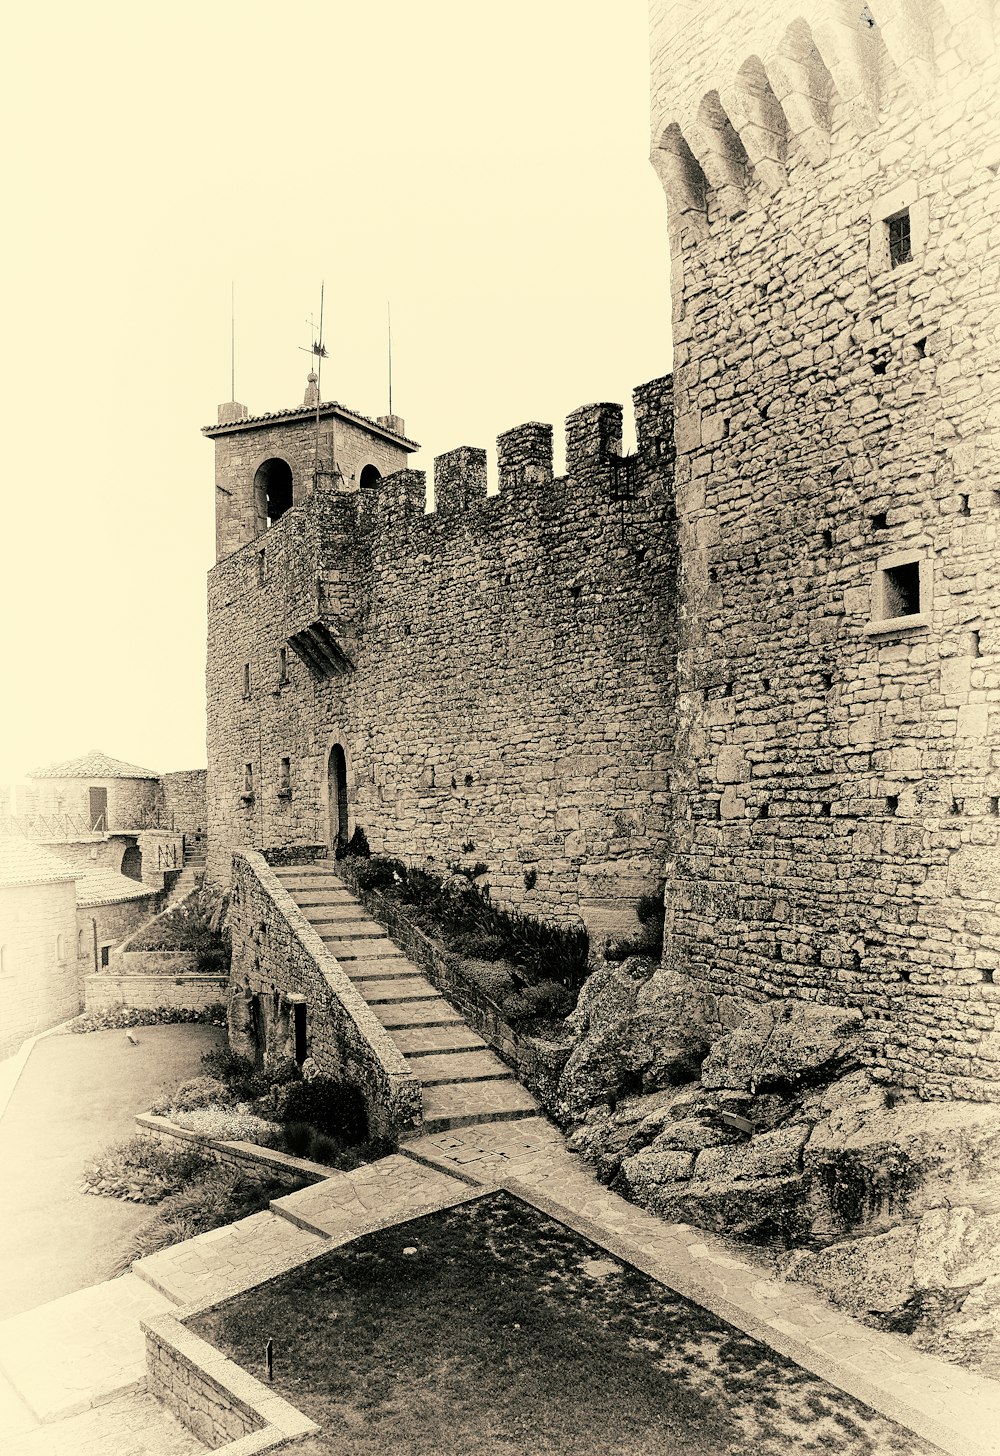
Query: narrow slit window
248	778
282	664
246	679
900	250
285	775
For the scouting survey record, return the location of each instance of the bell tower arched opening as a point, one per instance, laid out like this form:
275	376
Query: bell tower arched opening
272	488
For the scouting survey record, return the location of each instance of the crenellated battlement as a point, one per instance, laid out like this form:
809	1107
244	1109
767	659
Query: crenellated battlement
594	464
743	91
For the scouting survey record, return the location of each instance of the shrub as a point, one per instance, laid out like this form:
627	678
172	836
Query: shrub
120	1018
334	1108
649	912
220	1195
297	1138
548	999
378	873
357	845
230	1123
240	1073
195	1092
142	1170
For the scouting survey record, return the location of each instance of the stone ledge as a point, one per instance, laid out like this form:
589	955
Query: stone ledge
270	1159
208	1381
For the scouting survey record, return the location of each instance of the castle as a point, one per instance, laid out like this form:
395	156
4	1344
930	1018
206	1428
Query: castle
757	660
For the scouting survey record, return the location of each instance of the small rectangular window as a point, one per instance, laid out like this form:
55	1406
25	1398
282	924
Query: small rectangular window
246	679
901	590
285	775
105	955
899	238
248	779
261	567
282	664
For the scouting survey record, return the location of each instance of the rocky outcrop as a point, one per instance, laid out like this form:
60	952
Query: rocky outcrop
888	1204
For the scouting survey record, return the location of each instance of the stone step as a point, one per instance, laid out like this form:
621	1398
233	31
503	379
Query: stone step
352	929
417	1042
403	988
463	1103
225	1260
361	950
337	915
381	970
314	899
434	1012
306	872
437	1069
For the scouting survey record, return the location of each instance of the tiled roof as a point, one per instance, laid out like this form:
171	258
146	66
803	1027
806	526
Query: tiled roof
306	412
105	887
93	765
22	862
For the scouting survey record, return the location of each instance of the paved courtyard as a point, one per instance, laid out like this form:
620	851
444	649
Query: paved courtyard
76	1094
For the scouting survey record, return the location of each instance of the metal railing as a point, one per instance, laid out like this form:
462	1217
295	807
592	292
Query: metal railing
75	826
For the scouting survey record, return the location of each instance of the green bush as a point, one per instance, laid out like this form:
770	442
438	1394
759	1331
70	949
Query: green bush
195	1092
240	1073
334	1108
219	1195
546	952
649	912
121	1018
143	1169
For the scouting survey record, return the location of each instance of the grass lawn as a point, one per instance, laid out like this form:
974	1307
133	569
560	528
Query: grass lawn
491	1328
75	1095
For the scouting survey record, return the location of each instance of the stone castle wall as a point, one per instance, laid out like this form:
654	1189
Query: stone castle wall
511	695
183	799
838	767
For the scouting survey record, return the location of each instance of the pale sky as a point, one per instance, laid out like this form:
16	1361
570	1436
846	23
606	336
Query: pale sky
486	168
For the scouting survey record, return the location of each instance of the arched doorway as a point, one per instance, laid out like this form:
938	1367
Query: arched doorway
132	862
370	477
272	488
337	794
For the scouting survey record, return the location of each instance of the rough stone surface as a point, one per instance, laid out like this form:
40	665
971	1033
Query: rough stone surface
835	767
501	679
872	1275
783	1044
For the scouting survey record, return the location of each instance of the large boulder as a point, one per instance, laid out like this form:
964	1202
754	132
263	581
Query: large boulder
607	995
956	1248
770	1155
784	1046
753	1208
638	1053
866	1276
875	1156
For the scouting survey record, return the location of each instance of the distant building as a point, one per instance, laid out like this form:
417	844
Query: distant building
40	981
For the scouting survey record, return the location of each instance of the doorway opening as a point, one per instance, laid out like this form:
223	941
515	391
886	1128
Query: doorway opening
132	862
337	793
299	1026
98	809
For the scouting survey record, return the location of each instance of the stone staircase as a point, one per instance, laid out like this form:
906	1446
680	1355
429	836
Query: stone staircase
463	1082
192	875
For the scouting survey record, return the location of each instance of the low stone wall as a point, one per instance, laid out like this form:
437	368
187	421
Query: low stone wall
238	1154
227	1409
277	955
153	962
538	1064
193	991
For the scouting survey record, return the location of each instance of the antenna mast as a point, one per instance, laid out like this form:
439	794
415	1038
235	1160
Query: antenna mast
320	353
232	339
388	318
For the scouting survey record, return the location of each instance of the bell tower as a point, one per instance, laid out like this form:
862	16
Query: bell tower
269	464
